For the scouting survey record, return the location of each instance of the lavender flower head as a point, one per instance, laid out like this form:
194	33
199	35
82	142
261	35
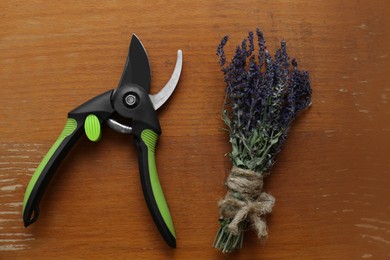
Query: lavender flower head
263	97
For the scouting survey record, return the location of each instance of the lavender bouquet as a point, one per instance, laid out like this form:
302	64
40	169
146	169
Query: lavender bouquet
263	97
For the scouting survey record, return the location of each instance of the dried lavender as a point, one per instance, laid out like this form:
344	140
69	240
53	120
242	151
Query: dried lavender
263	97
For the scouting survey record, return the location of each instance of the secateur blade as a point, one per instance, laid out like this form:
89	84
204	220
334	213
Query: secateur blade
161	97
157	99
137	67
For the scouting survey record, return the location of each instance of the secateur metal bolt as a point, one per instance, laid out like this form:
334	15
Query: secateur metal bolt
131	100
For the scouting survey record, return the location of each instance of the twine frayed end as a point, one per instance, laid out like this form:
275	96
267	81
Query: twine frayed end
245	201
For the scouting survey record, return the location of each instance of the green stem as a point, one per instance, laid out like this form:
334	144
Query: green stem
225	240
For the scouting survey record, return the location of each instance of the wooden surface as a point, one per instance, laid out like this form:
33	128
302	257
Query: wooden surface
331	181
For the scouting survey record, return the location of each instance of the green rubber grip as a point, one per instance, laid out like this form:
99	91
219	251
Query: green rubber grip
45	170
153	192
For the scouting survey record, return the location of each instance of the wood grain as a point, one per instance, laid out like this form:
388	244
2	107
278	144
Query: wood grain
331	181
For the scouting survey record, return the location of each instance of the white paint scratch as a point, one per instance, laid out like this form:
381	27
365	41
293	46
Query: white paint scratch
376	221
34	163
15	156
23	145
17	239
369	226
11	187
13	247
16	234
9	168
7	220
9	213
376	238
13	150
14	204
366	255
363	26
7	180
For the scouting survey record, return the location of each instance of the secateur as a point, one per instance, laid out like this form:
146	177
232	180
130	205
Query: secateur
127	109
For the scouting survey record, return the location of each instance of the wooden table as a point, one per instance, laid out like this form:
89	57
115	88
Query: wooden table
331	180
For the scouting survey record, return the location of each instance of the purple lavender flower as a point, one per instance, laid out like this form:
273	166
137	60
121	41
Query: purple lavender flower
263	97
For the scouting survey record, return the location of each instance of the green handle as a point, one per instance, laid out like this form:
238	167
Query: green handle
151	186
46	169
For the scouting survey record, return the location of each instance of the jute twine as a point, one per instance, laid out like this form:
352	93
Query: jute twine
245	200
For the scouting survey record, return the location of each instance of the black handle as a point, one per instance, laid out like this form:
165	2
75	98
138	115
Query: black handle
45	171
91	114
151	187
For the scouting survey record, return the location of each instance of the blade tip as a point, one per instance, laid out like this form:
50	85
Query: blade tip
134	36
179	57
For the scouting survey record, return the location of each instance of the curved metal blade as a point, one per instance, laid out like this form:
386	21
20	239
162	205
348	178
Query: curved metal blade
137	67
161	97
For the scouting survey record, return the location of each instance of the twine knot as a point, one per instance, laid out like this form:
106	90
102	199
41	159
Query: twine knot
245	200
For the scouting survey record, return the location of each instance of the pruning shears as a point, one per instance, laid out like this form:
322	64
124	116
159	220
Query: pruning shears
127	109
